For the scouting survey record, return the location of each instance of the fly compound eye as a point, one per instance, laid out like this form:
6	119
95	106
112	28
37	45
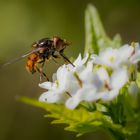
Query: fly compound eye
44	42
49	43
56	41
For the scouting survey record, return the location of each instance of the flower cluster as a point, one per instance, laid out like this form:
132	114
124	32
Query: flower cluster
94	78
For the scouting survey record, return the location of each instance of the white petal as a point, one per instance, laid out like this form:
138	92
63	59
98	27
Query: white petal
87	93
85	58
109	56
61	72
72	103
78	60
87	75
42	97
119	78
54	77
135	58
100	78
90	66
110	95
103	74
96	59
69	83
52	97
79	69
125	52
48	85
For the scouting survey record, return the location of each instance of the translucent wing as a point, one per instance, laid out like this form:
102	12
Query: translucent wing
21	57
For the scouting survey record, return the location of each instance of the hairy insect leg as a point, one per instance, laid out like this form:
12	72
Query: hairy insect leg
66	59
40	70
55	57
42	74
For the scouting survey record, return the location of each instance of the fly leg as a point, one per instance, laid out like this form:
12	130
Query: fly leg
55	57
40	70
41	74
66	59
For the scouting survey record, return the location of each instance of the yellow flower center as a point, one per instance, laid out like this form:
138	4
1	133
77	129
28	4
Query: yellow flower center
112	59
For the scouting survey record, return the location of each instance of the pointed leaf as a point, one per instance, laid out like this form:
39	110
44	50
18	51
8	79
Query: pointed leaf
95	35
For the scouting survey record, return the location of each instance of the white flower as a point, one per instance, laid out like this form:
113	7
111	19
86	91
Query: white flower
117	80
64	84
113	57
86	93
84	82
53	95
108	86
135	56
79	63
101	87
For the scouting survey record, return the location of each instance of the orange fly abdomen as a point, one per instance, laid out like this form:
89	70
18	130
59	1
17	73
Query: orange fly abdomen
31	63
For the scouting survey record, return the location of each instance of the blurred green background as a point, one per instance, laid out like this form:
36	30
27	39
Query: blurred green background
25	21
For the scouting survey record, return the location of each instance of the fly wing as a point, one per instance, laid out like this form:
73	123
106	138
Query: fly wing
21	57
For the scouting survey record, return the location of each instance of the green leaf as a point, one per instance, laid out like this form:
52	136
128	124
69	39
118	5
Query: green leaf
123	111
95	35
79	120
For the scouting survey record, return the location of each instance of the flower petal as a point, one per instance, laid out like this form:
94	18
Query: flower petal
119	78
103	75
110	95
87	93
125	52
135	58
72	103
79	61
48	85
52	97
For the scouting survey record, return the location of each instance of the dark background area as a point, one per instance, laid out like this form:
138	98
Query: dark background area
25	21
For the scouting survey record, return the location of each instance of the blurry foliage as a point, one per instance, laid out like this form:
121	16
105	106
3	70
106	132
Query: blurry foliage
24	21
96	37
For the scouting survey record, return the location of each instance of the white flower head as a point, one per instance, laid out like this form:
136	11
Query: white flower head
86	93
65	83
79	63
84	82
113	57
103	87
117	80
